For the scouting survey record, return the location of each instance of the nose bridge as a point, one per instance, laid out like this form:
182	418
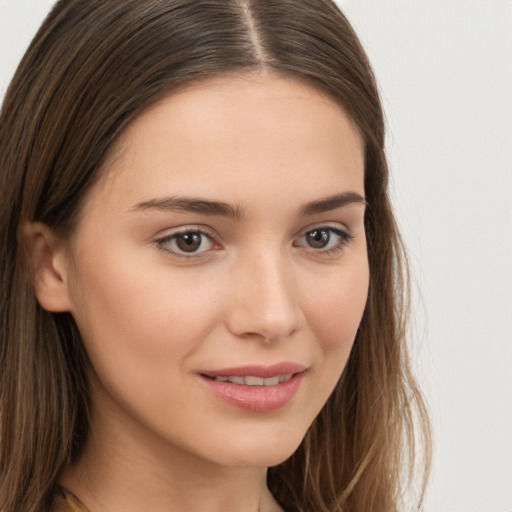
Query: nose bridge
265	299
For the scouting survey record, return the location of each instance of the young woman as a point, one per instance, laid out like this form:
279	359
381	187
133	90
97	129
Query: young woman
202	291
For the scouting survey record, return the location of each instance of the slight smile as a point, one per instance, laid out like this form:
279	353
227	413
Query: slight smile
256	388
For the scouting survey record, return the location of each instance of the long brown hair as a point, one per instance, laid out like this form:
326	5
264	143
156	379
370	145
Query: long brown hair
91	69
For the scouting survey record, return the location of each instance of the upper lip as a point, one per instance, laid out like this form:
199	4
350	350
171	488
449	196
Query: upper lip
262	371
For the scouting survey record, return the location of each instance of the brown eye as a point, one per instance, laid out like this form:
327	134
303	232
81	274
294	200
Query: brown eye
189	242
324	240
186	243
318	238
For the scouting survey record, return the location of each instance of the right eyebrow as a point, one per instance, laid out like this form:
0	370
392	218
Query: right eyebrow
192	205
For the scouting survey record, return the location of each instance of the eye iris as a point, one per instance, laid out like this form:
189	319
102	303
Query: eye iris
189	242
318	238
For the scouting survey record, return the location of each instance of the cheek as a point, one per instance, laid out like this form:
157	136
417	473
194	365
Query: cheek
333	312
142	331
337	309
131	311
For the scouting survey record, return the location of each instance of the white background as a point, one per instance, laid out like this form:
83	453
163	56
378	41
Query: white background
445	72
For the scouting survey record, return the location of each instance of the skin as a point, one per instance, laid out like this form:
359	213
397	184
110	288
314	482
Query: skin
255	292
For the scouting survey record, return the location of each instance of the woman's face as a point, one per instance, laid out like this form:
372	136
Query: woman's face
219	272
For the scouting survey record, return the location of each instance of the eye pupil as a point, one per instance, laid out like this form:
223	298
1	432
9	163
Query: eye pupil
189	242
318	238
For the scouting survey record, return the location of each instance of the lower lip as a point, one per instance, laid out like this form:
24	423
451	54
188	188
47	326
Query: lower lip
255	398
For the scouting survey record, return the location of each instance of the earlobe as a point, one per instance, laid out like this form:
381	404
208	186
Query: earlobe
48	265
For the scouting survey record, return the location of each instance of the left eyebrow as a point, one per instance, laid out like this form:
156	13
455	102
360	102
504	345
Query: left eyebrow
331	203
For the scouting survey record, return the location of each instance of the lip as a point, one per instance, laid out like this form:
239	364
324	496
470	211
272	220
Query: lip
259	399
256	370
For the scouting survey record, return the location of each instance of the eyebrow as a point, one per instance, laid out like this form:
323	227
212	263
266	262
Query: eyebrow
331	203
192	205
236	212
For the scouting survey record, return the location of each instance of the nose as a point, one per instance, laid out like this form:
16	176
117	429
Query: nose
264	301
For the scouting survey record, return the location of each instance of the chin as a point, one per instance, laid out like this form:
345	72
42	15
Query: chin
260	450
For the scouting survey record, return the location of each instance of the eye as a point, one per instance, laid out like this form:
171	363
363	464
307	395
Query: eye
186	243
324	239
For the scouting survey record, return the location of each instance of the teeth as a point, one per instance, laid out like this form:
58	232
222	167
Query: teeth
254	381
236	380
250	380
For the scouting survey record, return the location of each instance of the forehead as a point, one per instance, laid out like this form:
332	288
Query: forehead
225	135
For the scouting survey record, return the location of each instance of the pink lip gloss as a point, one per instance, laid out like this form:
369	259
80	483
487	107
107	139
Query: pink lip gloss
255	398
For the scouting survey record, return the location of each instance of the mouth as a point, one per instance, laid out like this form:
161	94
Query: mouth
251	380
256	388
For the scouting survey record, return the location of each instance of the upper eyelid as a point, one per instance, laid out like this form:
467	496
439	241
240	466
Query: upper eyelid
193	228
345	233
335	226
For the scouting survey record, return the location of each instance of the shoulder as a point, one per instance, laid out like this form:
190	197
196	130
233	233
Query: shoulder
64	501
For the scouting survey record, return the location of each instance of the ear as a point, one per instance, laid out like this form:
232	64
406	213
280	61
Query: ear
49	266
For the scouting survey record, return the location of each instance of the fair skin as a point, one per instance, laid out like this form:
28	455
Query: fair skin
279	275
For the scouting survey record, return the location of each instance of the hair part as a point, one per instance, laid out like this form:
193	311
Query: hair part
92	68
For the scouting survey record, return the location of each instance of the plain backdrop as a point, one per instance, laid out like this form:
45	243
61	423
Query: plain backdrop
445	73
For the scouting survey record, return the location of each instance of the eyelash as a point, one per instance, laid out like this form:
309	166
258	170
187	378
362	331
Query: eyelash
163	243
344	238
